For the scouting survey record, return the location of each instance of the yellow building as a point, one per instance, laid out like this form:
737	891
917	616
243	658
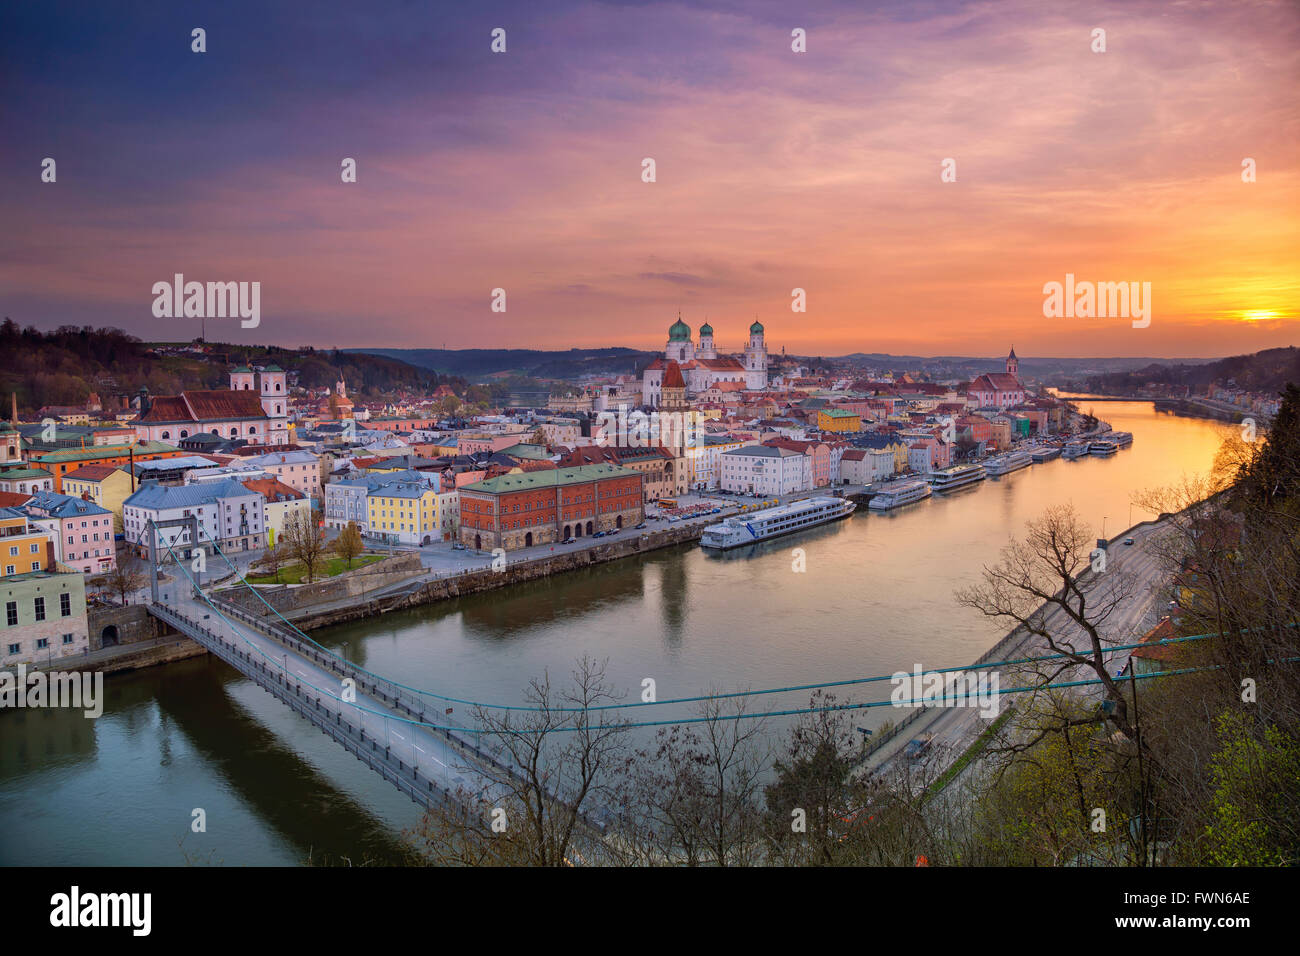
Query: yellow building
106	485
403	512
838	420
23	547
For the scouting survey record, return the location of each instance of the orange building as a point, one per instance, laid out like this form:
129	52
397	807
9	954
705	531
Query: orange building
23	547
65	460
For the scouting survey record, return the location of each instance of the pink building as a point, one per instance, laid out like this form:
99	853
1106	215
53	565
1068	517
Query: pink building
82	530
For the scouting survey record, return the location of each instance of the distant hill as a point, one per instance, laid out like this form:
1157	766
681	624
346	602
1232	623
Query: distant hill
1266	371
477	364
65	366
481	364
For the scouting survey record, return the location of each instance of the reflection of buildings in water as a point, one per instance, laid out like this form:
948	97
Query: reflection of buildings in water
537	605
673	597
267	775
33	738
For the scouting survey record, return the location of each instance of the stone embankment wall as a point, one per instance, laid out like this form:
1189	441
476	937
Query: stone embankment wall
351	584
141	641
488	580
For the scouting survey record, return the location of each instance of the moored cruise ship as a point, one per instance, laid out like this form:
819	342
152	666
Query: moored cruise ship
1103	449
895	494
1005	464
1074	450
773	522
956	476
1122	439
1045	453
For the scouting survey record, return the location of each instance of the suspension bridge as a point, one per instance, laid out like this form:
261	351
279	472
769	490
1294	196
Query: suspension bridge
401	735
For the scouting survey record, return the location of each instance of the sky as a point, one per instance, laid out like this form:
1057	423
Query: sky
775	170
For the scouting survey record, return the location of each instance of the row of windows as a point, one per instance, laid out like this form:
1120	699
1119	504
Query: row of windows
35	549
38	608
41	644
9	568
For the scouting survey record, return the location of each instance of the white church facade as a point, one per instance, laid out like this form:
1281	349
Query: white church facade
702	366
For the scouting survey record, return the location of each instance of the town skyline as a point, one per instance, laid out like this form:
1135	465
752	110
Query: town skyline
775	170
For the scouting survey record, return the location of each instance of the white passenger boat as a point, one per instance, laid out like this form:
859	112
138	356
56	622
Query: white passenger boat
1005	464
956	476
1045	453
773	522
895	494
1074	450
1122	439
1102	449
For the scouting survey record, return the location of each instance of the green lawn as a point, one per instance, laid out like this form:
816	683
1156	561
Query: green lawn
294	573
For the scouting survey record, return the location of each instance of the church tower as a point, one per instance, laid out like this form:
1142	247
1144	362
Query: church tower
706	349
673	392
756	359
1013	364
679	347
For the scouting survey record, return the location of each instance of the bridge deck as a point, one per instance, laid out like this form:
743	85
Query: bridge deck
430	766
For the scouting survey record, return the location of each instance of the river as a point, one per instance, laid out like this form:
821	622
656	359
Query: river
876	597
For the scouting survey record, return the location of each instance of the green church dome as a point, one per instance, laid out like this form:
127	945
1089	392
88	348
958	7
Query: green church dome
679	331
756	328
706	329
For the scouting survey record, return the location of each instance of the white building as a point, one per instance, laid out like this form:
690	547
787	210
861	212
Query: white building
863	466
228	513
703	461
765	470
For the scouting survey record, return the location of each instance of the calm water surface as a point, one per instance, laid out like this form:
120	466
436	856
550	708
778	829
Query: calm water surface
877	596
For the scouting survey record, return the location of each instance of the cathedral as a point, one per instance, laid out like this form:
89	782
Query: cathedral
701	366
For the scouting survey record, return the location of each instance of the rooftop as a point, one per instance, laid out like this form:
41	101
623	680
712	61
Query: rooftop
550	478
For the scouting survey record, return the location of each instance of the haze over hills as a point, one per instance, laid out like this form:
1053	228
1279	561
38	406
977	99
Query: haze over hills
1264	371
575	363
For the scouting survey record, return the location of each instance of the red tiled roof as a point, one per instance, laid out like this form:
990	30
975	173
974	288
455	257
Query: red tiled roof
11	499
673	376
724	364
526	464
205	406
272	489
996	382
91	473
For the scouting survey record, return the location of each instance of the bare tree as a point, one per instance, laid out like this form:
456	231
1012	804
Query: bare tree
693	798
551	779
1045	585
304	541
128	576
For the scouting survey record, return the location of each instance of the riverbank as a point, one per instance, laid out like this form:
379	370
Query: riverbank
298	606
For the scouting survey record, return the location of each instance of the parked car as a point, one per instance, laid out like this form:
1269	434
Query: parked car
917	746
1128	540
639	527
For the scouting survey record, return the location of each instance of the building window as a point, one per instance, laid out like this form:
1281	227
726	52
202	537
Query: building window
67	638
15	648
65	605
42	643
39	604
11	613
